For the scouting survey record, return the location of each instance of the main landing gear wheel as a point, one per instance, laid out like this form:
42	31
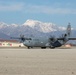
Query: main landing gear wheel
43	47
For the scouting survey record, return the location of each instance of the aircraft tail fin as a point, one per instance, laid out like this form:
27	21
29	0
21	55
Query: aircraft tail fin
68	31
65	37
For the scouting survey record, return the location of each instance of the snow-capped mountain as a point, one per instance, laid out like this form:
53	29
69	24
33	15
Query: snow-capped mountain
42	27
31	28
4	36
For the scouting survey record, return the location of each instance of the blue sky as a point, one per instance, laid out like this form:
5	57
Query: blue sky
59	12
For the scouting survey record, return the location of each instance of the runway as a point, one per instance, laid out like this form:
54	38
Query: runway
21	61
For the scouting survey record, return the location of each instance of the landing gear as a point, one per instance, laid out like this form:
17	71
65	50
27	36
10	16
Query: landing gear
52	47
29	47
43	47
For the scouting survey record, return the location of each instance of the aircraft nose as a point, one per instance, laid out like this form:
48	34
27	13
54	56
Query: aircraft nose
26	43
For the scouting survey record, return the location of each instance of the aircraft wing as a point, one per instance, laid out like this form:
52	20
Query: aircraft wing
72	38
68	38
22	38
14	37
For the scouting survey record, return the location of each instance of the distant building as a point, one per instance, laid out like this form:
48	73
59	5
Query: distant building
10	43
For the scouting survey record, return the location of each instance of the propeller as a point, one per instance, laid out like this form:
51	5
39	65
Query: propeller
21	38
52	38
64	37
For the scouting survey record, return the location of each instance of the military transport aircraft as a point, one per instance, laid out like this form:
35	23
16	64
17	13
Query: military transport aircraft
51	42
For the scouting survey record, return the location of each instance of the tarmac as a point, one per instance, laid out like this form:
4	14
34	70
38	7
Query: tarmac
21	61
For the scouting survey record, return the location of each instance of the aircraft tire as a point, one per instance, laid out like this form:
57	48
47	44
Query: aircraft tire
52	47
29	47
43	47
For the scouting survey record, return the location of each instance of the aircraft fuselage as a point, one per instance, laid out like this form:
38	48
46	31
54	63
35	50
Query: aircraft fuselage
41	43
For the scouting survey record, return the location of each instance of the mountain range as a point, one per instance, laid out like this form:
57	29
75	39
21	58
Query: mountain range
32	28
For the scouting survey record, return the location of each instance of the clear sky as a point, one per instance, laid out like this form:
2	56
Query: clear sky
59	12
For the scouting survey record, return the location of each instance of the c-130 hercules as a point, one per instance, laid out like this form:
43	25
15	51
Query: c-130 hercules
50	42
